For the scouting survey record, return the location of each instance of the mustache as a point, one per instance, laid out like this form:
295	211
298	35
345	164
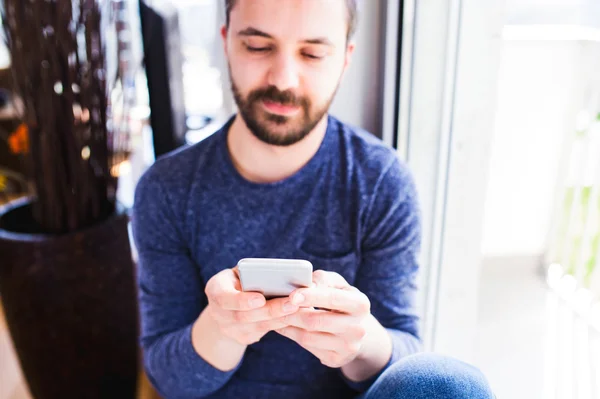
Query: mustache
273	94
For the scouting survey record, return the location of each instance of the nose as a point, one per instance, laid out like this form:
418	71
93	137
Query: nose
284	73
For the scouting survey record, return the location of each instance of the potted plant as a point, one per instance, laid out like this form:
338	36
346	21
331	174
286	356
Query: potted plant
67	279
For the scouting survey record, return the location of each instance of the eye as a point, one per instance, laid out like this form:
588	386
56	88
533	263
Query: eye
257	50
312	56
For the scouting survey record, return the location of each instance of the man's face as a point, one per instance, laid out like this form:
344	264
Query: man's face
286	59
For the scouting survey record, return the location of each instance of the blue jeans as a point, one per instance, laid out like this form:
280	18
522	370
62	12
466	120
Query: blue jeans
430	376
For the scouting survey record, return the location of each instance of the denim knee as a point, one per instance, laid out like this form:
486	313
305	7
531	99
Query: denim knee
430	376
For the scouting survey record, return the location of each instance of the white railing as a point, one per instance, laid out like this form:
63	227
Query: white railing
576	245
574	253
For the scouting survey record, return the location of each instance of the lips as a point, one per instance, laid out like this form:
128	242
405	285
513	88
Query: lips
280	109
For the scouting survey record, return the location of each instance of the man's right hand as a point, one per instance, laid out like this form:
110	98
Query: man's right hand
244	317
234	319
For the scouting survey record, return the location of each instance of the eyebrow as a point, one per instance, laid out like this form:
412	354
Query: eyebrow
319	40
255	32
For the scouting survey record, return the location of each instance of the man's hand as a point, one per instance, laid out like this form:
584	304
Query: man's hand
242	316
234	319
336	332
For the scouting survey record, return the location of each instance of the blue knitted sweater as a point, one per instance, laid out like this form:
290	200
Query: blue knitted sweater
351	209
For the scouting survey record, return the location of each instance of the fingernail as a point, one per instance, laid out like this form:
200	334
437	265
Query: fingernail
298	299
256	302
289	307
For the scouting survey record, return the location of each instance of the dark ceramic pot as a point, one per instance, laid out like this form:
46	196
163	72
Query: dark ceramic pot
71	306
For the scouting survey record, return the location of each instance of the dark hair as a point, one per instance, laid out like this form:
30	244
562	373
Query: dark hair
352	14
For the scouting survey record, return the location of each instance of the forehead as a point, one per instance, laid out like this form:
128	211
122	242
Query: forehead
292	19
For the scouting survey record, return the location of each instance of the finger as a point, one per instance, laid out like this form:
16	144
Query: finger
313	340
238	282
329	279
221	290
221	315
349	301
325	321
273	309
330	358
256	329
268	325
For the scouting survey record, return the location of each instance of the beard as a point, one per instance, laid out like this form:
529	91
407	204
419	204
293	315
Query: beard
273	129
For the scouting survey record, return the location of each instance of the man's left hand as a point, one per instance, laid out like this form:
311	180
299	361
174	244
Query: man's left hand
336	330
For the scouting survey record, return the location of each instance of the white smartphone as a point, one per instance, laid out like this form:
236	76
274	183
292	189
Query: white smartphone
274	277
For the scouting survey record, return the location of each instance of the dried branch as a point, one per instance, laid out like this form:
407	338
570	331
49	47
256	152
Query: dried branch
59	68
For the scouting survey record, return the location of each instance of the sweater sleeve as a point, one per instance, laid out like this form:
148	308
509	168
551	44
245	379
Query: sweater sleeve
171	296
388	269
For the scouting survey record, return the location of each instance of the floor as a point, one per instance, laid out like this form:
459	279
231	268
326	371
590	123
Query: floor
11	386
531	345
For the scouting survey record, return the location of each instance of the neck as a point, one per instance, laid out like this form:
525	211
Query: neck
260	162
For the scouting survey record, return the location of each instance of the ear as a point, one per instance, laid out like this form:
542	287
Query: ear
224	37
348	57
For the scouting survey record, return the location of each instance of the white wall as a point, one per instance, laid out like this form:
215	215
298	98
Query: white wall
542	87
536	87
572	12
